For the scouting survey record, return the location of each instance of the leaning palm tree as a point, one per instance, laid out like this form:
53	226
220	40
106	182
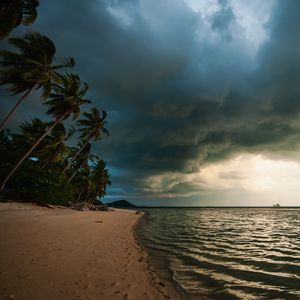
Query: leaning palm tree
83	160
15	12
92	128
29	132
55	148
65	100
100	179
83	183
30	68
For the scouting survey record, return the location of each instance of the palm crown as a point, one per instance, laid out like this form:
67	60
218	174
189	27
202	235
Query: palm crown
100	176
30	67
32	130
15	12
92	126
55	148
67	97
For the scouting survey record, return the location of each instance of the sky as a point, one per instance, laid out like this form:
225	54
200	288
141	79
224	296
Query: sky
202	95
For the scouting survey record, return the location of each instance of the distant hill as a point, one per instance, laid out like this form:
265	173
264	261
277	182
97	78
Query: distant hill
121	204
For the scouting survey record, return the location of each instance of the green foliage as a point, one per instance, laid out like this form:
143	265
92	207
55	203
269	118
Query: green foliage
40	178
66	97
92	126
15	12
37	164
31	66
39	185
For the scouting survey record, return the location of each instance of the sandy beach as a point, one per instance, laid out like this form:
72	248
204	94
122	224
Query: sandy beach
67	254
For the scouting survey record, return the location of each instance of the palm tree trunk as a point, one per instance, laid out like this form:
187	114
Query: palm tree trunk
8	116
44	165
76	155
82	190
30	151
47	162
74	173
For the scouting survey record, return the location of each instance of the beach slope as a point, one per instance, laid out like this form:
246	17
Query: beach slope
66	254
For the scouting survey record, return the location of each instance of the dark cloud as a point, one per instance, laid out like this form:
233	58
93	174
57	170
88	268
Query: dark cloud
223	18
180	93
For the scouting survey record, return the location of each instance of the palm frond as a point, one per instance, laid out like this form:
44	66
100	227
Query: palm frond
10	16
29	11
66	98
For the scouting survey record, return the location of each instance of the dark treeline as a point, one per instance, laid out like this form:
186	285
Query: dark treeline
37	163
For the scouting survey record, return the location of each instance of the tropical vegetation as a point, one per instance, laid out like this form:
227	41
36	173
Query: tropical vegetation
30	68
16	12
41	161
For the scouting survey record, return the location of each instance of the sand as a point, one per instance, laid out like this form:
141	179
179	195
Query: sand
67	254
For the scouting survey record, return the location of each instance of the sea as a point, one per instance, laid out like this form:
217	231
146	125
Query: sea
225	253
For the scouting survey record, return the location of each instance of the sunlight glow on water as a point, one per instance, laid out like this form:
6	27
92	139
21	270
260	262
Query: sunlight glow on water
228	253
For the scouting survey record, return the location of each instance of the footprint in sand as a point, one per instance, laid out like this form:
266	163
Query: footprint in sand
85	286
77	282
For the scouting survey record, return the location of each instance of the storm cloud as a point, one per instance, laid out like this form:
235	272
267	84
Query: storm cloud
186	84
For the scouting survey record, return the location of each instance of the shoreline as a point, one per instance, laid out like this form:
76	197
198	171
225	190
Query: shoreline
67	254
166	276
168	287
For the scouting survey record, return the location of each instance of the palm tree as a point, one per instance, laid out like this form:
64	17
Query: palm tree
100	179
30	68
65	100
83	183
92	128
55	148
29	133
83	159
15	12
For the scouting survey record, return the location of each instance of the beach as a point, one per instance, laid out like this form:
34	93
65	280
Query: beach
66	254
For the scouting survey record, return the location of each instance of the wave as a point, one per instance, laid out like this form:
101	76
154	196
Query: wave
228	253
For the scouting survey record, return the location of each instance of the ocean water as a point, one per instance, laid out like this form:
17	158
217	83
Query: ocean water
225	253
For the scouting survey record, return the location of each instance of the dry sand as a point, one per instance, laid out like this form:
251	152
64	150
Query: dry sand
66	254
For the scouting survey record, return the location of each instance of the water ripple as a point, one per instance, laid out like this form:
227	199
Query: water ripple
228	253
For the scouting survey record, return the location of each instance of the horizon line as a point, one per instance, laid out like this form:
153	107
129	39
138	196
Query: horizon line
213	206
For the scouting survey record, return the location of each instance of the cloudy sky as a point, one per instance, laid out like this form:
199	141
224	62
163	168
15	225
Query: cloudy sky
203	96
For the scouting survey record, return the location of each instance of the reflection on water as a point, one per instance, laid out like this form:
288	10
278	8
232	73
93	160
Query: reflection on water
227	253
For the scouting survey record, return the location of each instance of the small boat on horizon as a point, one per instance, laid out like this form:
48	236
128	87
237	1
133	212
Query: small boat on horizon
276	205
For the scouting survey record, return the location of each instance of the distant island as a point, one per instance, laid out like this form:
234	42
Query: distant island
121	204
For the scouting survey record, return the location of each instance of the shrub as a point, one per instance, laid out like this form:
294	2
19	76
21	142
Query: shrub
32	184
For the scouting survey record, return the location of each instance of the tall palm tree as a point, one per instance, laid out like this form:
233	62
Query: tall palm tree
65	100
92	128
30	68
55	148
100	179
15	12
83	184
83	159
29	133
